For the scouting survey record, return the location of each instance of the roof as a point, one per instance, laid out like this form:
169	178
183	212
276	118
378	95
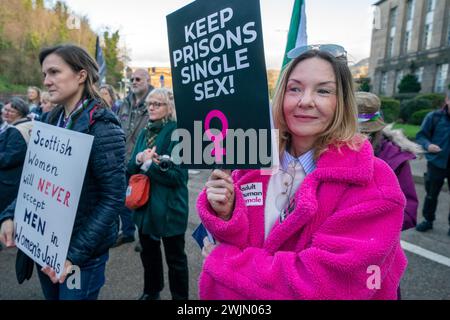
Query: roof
378	2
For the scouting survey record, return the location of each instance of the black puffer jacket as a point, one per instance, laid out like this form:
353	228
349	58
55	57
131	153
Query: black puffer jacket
13	148
103	193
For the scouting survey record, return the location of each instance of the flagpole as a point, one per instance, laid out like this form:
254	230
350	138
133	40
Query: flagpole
100	61
297	35
96	48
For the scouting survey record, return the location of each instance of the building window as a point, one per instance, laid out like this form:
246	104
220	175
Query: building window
407	42
408	28
441	76
392	24
419	74
427	36
431	4
398	79
392	17
383	84
390	47
448	30
409	10
428	28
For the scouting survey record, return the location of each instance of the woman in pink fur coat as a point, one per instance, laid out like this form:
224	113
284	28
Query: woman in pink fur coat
327	224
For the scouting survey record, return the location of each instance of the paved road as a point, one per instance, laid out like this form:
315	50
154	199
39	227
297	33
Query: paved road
424	278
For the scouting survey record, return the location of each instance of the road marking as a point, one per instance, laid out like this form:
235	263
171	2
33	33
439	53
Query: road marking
425	253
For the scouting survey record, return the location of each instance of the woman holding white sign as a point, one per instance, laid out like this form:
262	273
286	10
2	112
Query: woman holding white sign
70	74
327	224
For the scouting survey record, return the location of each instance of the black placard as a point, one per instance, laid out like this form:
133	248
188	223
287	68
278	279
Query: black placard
220	82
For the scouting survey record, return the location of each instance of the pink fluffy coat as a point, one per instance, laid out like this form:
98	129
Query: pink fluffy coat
346	225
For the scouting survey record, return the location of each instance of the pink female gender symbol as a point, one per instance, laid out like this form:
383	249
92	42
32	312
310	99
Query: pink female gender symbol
218	151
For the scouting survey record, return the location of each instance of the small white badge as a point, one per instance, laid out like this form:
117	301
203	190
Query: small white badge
253	194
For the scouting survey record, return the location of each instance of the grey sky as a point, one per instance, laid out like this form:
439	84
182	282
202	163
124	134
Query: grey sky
142	25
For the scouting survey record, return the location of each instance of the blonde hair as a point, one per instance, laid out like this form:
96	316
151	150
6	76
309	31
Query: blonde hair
165	95
343	128
38	91
45	96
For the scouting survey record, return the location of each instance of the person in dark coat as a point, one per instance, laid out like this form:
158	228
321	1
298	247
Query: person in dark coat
133	116
70	74
165	215
393	147
13	147
434	137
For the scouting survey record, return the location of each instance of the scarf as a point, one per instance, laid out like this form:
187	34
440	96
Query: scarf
68	122
153	128
366	117
5	125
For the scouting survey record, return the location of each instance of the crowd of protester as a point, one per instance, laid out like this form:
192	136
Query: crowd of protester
338	203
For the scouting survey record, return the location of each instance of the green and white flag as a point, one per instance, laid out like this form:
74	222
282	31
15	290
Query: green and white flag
297	29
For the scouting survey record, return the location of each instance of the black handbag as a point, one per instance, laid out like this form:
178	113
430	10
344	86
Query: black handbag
24	267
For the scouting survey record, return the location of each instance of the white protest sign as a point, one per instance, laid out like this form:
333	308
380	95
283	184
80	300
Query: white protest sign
50	188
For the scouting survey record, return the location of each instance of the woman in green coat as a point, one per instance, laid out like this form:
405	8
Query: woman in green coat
166	213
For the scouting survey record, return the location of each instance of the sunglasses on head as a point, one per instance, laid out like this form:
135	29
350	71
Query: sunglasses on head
335	50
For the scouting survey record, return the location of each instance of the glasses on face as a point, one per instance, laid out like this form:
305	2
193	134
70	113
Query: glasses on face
9	110
137	79
156	104
335	50
285	201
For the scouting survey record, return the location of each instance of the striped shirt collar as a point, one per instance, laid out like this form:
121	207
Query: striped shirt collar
306	160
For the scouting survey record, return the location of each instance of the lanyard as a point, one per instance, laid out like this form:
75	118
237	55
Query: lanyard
67	123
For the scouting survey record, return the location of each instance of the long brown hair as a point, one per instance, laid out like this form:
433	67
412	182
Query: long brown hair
78	59
344	125
38	91
111	93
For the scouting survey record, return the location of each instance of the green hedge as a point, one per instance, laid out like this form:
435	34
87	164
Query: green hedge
404	96
390	109
418	116
409	84
8	88
408	107
437	100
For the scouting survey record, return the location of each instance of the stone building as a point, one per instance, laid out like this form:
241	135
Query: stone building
410	36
